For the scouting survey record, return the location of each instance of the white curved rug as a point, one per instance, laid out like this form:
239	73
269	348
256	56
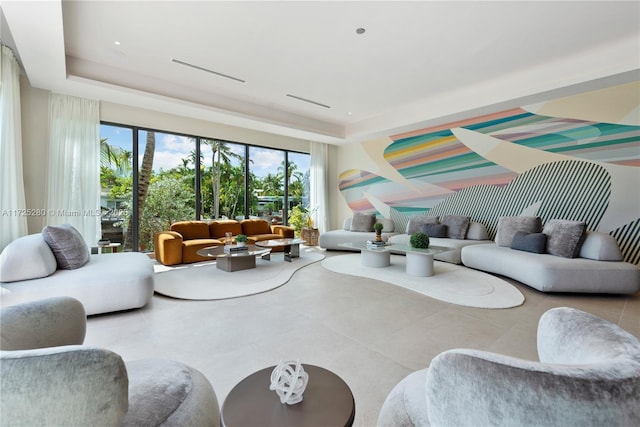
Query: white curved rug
452	283
203	281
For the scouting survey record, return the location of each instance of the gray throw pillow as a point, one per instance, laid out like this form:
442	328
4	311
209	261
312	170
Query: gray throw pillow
67	245
457	225
508	225
417	221
362	221
564	237
529	242
434	230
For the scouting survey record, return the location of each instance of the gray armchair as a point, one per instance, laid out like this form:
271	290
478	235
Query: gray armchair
588	375
50	379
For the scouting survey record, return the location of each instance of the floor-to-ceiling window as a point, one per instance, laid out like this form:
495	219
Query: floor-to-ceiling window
166	183
267	184
151	179
222	179
116	181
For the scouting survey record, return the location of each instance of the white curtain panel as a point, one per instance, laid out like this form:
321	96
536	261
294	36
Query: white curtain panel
73	187
319	185
13	213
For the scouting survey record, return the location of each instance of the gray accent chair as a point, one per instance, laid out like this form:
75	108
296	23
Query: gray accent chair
50	379
588	375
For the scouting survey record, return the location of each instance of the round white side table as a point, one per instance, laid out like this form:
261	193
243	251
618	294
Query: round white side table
375	258
419	264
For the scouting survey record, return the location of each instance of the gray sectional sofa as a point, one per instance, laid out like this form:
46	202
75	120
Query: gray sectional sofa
474	234
559	257
30	271
598	268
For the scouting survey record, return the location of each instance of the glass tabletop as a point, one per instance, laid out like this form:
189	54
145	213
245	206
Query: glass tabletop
275	243
363	246
216	251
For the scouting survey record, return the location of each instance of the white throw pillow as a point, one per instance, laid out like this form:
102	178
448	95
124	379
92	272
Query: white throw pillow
477	231
26	258
387	225
600	247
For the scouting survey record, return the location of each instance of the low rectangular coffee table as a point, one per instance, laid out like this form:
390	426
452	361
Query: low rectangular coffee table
234	261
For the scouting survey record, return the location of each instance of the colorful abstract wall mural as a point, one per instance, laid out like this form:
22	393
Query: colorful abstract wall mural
513	162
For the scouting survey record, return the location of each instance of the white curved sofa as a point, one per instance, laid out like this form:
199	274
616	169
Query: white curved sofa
598	268
106	283
331	240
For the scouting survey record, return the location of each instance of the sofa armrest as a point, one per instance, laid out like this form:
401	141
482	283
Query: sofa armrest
49	322
468	387
284	231
70	385
168	247
570	336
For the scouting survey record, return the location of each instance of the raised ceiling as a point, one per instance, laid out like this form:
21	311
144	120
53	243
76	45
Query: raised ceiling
416	63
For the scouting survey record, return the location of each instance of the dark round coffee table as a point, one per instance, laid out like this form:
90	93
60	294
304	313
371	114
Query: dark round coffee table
327	401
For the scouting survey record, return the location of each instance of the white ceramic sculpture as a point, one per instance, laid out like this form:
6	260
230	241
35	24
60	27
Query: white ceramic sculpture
289	380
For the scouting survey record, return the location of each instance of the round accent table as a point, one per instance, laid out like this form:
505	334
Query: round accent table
327	401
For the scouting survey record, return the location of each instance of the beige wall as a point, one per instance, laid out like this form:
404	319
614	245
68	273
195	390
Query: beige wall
35	110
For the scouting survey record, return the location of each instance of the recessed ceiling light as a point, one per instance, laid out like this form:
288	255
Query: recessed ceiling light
360	31
117	43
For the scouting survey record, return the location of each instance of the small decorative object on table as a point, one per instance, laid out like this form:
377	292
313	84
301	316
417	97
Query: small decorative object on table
419	240
378	226
376	243
232	249
241	240
289	380
104	242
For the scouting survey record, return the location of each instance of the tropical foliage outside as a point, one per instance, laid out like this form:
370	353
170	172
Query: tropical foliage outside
167	196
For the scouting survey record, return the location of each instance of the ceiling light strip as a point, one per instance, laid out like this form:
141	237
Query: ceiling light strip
308	100
177	61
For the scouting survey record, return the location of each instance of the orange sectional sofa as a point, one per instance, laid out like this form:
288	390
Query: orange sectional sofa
181	243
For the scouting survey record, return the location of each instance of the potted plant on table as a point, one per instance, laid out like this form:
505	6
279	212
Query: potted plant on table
241	240
419	240
378	228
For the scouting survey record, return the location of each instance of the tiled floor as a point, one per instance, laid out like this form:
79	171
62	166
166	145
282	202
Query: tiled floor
370	333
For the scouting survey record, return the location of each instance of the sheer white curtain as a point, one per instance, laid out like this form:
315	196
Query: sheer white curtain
73	190
320	185
13	214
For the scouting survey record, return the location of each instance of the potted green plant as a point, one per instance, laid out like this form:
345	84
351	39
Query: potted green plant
241	240
378	226
419	240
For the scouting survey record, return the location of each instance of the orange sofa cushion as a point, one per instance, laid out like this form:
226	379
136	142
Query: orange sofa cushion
191	229
252	227
190	249
218	228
